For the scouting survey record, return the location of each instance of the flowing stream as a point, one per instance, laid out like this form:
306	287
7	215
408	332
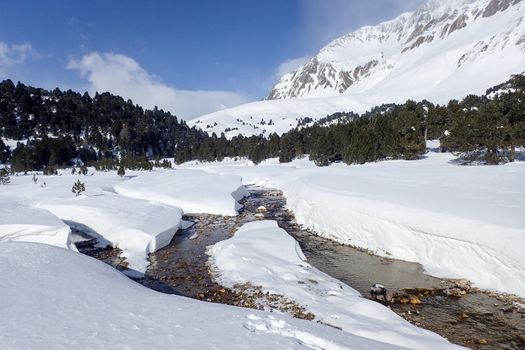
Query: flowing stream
472	318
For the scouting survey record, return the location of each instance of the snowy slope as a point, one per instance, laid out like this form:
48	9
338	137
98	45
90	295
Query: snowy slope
444	50
457	221
284	115
56	299
262	253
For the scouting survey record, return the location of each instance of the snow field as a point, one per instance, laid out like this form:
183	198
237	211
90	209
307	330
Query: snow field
83	303
21	223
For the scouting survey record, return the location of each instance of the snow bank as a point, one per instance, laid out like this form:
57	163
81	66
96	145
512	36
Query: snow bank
128	224
138	213
457	221
55	299
138	227
21	223
265	255
192	190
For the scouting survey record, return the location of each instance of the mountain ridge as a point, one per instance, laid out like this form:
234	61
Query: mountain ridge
443	50
336	69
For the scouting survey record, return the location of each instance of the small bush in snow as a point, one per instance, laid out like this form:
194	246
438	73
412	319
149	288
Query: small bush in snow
50	170
121	171
78	188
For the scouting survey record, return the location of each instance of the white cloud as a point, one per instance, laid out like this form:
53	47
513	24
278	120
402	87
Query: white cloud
12	55
122	75
290	65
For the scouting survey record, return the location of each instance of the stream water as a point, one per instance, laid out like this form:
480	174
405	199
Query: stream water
475	319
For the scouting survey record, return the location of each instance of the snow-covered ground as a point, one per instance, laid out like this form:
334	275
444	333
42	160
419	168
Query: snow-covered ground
82	302
194	191
457	221
22	223
53	298
138	225
262	253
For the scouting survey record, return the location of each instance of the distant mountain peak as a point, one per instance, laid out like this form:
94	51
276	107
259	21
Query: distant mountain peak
373	50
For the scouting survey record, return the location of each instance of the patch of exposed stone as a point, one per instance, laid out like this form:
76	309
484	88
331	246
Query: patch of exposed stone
316	74
459	23
494	328
363	70
419	41
418	31
253	297
110	255
496	6
521	40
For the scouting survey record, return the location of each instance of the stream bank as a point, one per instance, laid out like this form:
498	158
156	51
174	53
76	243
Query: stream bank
453	309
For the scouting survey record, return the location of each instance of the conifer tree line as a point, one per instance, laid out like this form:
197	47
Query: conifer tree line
63	128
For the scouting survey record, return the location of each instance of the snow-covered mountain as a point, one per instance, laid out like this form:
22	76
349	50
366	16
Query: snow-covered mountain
445	49
399	48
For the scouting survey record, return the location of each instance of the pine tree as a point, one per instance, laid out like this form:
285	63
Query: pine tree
4	152
458	136
273	145
363	146
323	150
121	171
4	177
78	188
50	170
513	105
408	123
489	131
287	153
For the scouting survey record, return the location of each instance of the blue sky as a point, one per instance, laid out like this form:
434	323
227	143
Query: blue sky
221	52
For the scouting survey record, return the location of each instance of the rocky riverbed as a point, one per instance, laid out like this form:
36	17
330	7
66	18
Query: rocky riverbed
452	308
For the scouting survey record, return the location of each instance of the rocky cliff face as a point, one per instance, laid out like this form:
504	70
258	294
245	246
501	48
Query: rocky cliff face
373	54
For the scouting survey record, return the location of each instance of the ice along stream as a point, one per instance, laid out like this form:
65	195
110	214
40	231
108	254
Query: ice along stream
463	315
